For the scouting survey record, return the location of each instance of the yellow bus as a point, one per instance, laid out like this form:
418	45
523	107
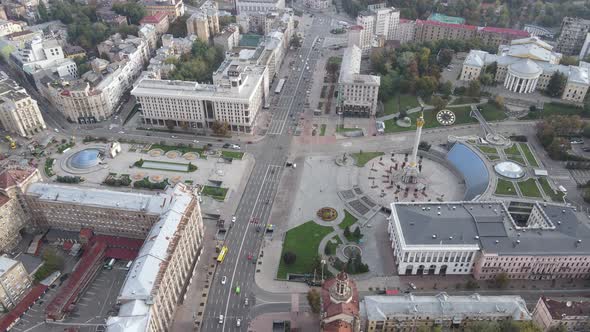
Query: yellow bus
222	254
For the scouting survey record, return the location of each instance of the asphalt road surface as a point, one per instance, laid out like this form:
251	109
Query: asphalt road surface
271	155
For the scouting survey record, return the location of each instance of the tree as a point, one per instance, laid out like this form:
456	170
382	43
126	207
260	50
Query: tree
498	101
289	257
43	14
347	232
445	56
533	108
357	233
446	88
313	297
132	10
474	89
502	280
486	79
220	128
438	103
333	65
556	84
569	61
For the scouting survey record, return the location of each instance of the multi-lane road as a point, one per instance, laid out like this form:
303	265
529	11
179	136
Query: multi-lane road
271	154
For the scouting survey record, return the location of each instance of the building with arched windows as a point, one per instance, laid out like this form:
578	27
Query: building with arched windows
526	65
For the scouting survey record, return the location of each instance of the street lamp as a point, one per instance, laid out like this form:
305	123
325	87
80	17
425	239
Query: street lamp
323	262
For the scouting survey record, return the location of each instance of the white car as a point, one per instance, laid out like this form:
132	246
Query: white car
56	130
220	319
246	301
173	136
238	322
235	147
233	219
223	280
412	286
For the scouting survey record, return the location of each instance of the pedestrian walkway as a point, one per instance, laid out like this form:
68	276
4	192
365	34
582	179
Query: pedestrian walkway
299	321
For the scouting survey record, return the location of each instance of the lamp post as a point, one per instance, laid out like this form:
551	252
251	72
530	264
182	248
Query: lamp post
323	262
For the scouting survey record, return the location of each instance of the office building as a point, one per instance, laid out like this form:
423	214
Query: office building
366	20
526	65
14	282
357	93
14	214
154	284
259	6
235	97
572	314
521	240
379	23
172	8
205	22
572	36
410	312
19	113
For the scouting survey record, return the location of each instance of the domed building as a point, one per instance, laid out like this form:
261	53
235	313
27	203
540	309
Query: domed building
340	305
527	65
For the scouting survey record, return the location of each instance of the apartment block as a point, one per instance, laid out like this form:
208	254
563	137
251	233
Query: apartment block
159	20
572	314
572	36
259	6
172	8
14	282
19	113
8	27
205	22
357	93
379	23
154	283
228	38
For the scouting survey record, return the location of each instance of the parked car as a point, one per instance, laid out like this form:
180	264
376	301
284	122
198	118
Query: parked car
412	286
220	319
226	146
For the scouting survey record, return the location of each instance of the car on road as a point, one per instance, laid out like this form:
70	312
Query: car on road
173	136
223	280
238	322
220	319
246	302
233	219
56	130
235	147
237	289
226	146
577	141
195	141
412	286
587	149
121	132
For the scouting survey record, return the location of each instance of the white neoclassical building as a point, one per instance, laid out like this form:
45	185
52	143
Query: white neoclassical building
526	65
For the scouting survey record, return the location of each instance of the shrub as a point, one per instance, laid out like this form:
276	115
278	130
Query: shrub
289	258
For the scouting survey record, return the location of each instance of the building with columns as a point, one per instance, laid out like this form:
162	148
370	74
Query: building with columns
520	239
526	65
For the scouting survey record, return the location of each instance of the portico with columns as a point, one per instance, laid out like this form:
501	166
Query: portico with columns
522	76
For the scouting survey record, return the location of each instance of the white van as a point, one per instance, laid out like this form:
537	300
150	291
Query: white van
220	319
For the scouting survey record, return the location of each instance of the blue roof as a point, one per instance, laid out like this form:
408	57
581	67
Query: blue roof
85	158
473	169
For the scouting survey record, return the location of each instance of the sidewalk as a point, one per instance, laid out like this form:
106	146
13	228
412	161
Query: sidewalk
300	321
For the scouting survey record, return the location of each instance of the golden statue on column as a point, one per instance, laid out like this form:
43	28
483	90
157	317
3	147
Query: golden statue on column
411	170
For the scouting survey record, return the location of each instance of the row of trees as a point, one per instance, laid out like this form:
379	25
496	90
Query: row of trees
199	64
554	132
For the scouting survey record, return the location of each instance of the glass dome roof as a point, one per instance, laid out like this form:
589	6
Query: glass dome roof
85	159
509	169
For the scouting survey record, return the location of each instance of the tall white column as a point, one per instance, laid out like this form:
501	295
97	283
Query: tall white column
507	81
514	84
528	86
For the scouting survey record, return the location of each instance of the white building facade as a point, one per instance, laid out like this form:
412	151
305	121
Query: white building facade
357	93
259	6
19	113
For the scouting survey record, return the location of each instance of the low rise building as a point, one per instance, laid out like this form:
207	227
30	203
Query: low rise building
19	113
357	93
572	314
258	6
14	282
154	283
7	27
14	214
526	65
148	33
411	312
159	20
73	51
340	305
205	22
111	18
521	240
173	8
228	38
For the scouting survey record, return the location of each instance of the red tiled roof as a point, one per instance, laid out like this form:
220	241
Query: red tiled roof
153	19
12	177
119	242
506	31
356	27
3	199
448	25
338	326
332	309
22	307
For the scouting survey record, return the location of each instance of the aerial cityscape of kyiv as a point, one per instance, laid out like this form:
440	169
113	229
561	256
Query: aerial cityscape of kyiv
295	165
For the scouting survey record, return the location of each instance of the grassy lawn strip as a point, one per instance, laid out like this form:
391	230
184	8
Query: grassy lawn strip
529	188
323	130
555	195
232	154
348	220
550	109
182	149
492	157
343	130
517	159
513	150
492	113
49	166
405	102
487	149
190	166
528	153
214	192
332	245
505	187
461	113
464	100
303	241
363	158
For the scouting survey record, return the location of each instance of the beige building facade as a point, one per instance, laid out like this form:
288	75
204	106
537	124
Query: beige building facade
572	314
14	282
19	113
205	22
173	8
357	93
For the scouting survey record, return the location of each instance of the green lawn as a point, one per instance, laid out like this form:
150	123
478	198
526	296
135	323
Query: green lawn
49	167
232	154
348	220
517	159
464	100
182	149
303	241
505	187
529	188
363	157
405	101
555	195
492	113
492	157
557	109
332	245
323	130
513	150
214	192
487	149
528	153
